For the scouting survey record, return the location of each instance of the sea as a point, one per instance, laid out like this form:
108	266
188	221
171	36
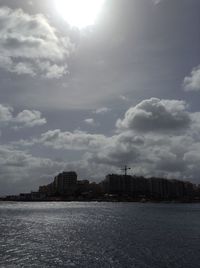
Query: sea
98	234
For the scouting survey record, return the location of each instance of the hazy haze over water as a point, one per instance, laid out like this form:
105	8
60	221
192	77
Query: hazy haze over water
99	235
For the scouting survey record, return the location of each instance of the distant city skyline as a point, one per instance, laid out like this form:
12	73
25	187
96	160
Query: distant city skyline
94	93
114	187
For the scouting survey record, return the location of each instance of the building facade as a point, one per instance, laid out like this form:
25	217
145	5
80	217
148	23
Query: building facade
65	183
153	188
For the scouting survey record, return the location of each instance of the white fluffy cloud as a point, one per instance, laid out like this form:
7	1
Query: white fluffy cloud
77	140
192	82
26	118
30	45
29	118
156	115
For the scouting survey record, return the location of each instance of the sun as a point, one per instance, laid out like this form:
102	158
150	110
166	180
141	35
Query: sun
79	13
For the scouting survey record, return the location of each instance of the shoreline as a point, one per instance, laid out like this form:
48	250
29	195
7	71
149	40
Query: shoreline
106	201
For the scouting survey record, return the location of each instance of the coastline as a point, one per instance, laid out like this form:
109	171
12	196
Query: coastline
104	201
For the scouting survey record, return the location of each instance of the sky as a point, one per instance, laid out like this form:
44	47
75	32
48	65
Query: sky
124	90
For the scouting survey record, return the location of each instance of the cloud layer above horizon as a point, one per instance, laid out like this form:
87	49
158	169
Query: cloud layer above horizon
121	92
156	138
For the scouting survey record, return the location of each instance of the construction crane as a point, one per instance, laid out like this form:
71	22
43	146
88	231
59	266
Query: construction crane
125	169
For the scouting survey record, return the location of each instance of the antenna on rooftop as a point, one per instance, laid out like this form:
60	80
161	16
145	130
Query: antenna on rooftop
125	169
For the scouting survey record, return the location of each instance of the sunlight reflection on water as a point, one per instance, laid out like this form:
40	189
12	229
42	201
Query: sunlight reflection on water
94	234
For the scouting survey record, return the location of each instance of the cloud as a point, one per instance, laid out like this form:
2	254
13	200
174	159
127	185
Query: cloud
168	145
29	118
52	71
26	118
77	140
192	82
24	171
90	121
5	113
124	98
117	151
156	2
30	45
156	115
102	110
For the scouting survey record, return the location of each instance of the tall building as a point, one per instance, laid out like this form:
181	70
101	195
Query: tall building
49	189
160	188
153	188
125	184
66	183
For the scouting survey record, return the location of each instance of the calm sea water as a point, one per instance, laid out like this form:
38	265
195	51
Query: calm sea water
99	235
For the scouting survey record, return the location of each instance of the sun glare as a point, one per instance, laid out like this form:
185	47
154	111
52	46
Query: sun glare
79	13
